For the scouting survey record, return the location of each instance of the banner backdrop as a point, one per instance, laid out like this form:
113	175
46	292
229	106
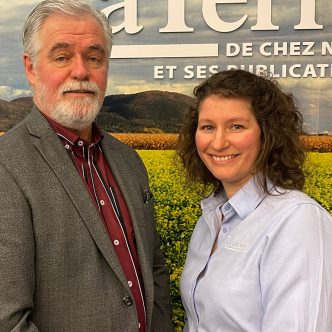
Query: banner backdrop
173	45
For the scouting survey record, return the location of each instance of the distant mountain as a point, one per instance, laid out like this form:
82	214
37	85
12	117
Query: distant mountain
140	112
12	112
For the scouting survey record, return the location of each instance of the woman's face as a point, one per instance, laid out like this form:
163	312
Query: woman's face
228	140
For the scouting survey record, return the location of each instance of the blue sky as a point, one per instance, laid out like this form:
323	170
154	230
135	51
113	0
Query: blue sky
130	75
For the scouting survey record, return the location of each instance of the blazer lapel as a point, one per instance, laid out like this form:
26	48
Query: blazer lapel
60	162
129	189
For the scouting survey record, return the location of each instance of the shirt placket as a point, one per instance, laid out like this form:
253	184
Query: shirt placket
227	226
217	219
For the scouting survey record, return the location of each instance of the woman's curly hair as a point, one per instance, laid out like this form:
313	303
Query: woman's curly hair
281	156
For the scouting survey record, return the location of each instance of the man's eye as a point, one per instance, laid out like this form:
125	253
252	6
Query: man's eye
94	59
60	59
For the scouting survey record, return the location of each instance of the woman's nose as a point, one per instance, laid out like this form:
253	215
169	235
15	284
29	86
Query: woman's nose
220	140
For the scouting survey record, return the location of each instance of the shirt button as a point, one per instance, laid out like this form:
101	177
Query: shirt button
102	202
116	242
67	146
139	325
80	143
227	207
130	284
127	300
224	230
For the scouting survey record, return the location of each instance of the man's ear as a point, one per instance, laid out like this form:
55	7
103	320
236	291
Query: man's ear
29	69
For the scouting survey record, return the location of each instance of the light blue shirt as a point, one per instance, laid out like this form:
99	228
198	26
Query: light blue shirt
271	271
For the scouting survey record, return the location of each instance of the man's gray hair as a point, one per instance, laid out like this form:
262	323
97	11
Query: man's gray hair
71	8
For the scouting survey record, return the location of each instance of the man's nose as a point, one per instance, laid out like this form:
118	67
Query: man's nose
79	70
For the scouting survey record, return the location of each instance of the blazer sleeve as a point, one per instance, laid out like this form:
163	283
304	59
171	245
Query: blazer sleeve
17	252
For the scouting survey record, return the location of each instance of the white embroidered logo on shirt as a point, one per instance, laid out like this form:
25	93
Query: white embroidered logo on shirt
236	243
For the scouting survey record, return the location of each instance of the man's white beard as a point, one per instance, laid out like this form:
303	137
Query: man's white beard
74	113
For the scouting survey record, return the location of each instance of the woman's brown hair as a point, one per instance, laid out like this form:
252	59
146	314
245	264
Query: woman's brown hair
281	157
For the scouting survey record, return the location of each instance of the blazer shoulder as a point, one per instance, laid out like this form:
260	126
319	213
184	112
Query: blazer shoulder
20	132
16	136
19	144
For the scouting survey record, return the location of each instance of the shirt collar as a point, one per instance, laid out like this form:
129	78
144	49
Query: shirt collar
72	137
247	198
243	201
213	201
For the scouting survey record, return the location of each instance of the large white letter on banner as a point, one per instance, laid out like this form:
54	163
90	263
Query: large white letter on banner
130	16
209	10
308	11
176	17
264	16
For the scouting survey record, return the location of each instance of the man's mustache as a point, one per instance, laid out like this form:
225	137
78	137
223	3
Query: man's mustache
79	87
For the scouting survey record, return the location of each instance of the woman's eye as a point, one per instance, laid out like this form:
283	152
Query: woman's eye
237	127
207	127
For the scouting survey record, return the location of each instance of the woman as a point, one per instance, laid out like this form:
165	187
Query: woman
260	257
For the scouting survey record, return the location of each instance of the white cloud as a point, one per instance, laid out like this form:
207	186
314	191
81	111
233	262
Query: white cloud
13	14
315	90
10	93
13	5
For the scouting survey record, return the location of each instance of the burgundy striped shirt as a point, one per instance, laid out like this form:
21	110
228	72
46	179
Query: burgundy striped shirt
98	179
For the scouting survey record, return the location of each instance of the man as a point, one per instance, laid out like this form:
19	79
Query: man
78	245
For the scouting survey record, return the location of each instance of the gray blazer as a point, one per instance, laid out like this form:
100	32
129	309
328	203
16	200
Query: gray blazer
58	268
